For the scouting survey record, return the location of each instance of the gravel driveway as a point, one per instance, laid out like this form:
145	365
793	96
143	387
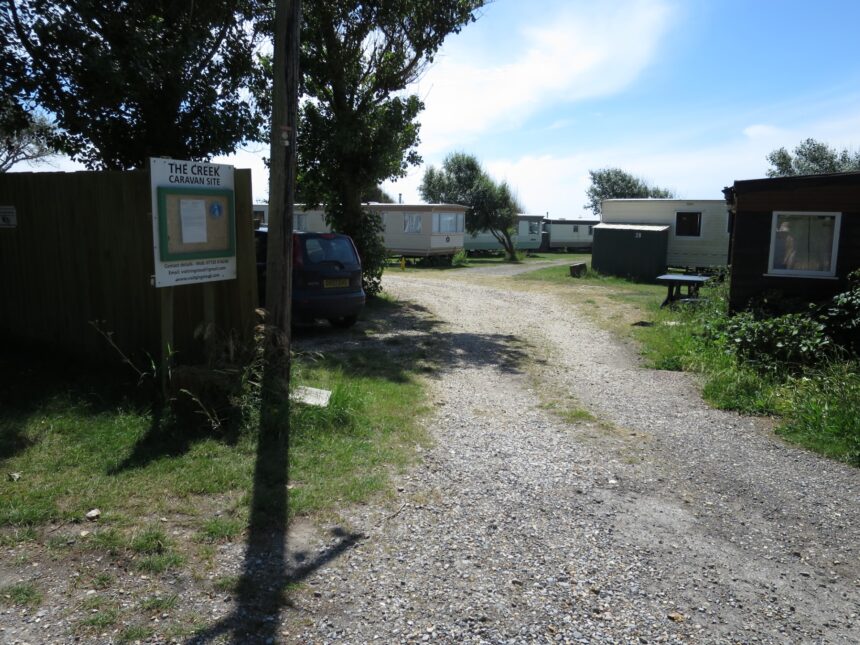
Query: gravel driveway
659	520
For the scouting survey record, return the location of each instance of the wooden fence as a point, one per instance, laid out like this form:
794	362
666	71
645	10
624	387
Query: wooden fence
82	251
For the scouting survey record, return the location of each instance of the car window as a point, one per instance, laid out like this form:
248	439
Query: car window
329	249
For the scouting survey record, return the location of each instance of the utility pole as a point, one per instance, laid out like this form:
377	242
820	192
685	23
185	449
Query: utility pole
282	179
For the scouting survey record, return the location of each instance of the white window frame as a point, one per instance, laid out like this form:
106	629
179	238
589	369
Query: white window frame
300	222
687	237
802	273
412	217
459	223
533	228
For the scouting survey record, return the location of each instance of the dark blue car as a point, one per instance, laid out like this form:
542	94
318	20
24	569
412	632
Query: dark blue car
326	277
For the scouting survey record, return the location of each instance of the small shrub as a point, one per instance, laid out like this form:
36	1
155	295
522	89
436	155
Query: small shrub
460	259
792	341
219	528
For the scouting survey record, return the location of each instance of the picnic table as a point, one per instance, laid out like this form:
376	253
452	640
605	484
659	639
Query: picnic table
677	280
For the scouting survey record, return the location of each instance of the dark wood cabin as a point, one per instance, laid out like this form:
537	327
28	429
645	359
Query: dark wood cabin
793	238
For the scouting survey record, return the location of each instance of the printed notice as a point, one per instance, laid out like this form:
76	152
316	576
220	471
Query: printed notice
192	214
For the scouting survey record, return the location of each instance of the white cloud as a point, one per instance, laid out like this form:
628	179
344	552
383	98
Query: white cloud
576	55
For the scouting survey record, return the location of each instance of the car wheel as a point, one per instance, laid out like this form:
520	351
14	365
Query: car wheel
343	322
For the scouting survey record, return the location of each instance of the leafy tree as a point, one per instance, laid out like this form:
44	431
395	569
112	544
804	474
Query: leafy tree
811	157
614	183
23	137
130	79
490	206
357	130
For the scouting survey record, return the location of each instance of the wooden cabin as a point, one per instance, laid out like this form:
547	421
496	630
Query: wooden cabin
698	229
798	237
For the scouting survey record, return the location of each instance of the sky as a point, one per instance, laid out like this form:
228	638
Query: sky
689	95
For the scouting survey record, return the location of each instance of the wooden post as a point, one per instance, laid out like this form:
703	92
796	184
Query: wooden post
209	298
166	339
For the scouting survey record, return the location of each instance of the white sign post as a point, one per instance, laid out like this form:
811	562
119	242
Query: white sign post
193	222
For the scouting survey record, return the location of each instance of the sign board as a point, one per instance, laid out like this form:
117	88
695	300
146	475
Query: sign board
193	222
8	217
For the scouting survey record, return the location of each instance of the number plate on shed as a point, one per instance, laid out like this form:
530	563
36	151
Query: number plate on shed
336	283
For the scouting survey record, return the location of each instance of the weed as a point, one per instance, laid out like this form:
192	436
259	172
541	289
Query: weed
25	594
109	540
160	603
102	580
218	529
150	541
159	563
101	619
226	584
134	633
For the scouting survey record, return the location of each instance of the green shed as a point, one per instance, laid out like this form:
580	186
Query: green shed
635	251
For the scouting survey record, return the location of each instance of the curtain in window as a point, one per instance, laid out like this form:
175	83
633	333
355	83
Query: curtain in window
448	222
803	242
411	223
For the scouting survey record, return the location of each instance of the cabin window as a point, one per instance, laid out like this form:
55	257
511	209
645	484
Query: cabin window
448	222
575	228
534	228
300	222
688	224
411	223
804	244
591	230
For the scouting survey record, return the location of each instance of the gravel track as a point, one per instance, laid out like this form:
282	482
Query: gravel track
660	521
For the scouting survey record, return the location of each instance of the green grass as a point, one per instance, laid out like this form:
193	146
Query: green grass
818	408
220	529
24	594
160	603
80	441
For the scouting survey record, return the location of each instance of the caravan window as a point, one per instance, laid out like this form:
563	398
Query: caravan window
804	244
591	230
300	222
534	228
448	222
411	223
688	224
576	228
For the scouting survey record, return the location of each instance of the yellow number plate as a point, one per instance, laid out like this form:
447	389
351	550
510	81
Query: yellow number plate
336	283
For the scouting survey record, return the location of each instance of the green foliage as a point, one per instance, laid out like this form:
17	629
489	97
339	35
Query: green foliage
841	317
357	128
24	137
460	259
614	183
24	594
811	157
792	341
366	232
218	529
787	365
825	411
130	79
491	206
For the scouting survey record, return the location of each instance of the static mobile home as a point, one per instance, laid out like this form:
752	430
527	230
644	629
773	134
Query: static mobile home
308	221
422	230
566	234
698	229
527	236
411	230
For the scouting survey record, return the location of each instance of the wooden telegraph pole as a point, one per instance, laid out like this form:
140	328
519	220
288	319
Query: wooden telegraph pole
282	179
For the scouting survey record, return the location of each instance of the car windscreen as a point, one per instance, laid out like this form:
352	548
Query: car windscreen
338	250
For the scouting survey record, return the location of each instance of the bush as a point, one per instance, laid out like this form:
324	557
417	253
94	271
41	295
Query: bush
792	341
841	317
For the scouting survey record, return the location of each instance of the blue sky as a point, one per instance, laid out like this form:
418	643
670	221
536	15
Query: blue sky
688	94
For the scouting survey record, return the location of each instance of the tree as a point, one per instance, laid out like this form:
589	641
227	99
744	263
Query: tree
490	206
357	129
130	79
811	157
614	183
27	139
